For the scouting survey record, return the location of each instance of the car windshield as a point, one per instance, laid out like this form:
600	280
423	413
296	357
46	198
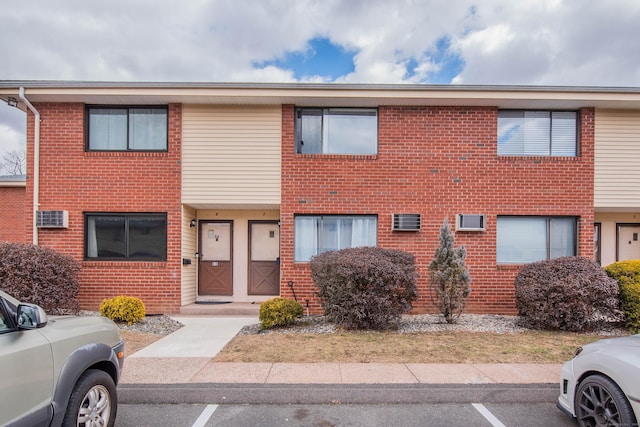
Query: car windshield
10	302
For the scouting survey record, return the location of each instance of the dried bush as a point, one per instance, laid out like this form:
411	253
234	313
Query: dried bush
40	275
568	293
279	312
366	287
449	276
123	309
627	273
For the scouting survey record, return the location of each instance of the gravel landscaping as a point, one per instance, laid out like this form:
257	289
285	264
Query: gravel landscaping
422	323
164	325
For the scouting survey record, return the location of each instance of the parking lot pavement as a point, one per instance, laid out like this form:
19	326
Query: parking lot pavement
337	414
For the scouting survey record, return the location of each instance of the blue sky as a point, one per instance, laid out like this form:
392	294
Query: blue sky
530	42
321	58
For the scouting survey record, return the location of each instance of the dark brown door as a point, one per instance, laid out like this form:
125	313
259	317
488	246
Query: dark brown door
264	258
215	266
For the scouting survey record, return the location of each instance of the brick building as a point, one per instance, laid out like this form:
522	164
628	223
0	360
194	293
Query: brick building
177	193
12	202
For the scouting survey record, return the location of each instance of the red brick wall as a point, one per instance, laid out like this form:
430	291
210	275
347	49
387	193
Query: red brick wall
12	221
436	161
79	181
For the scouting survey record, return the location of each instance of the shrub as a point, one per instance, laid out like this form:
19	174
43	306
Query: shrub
627	273
449	276
40	275
630	302
568	293
279	312
123	309
366	287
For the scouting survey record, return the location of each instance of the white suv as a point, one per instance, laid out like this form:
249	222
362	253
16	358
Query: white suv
58	371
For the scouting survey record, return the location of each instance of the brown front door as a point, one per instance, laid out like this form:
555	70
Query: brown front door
264	258
215	265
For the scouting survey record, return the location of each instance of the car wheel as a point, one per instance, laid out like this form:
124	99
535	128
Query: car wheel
93	401
600	402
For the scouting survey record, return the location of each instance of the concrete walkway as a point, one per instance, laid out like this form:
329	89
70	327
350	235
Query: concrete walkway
184	357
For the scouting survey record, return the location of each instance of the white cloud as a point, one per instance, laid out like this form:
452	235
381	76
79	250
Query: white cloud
551	42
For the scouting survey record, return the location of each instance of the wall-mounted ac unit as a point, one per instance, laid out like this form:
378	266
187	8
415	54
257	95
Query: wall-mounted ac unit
471	222
406	222
52	219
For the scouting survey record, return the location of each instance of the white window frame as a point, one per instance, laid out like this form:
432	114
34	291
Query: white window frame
538	133
525	239
343	131
314	234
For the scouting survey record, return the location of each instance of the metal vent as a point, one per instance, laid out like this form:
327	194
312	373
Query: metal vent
406	222
52	219
471	222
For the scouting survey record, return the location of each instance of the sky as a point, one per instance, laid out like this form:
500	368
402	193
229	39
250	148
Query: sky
514	42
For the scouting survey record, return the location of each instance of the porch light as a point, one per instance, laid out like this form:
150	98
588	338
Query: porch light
12	102
193	223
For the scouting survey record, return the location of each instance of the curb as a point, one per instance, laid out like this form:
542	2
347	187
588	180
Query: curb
335	393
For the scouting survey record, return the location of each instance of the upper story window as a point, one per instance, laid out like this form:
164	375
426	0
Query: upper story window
134	236
524	239
537	133
336	131
127	128
317	234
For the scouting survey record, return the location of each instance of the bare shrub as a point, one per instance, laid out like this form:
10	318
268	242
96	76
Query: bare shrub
365	288
40	275
568	293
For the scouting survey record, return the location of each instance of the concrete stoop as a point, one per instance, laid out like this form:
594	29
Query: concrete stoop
221	308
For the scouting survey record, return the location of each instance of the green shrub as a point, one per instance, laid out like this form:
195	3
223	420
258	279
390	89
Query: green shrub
279	312
366	287
449	276
630	302
568	293
627	273
40	275
123	309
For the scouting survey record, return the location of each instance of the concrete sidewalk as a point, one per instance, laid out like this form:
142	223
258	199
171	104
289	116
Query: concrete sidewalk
184	357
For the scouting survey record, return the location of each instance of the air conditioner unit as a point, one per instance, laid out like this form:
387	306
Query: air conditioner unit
406	222
52	219
471	222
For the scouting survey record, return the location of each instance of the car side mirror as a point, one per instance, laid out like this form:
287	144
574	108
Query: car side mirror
31	316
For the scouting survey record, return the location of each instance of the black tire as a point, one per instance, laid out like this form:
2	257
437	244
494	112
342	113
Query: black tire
93	402
600	402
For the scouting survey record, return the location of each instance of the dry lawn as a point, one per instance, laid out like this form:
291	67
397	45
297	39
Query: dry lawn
390	347
135	341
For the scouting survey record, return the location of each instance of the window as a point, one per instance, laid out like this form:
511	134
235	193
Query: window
336	131
126	236
316	234
127	128
522	239
537	133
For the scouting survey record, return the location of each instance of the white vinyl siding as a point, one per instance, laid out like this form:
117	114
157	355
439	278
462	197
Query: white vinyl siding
189	248
231	155
617	159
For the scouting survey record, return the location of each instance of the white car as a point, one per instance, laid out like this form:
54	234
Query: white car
600	386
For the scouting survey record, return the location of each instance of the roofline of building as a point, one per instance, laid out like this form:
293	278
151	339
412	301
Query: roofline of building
321	94
62	84
13	181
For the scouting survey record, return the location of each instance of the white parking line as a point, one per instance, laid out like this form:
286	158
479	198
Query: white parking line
205	415
488	415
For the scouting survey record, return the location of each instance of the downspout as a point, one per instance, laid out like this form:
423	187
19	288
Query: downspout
36	162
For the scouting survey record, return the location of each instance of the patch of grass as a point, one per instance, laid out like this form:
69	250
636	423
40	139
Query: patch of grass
392	347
